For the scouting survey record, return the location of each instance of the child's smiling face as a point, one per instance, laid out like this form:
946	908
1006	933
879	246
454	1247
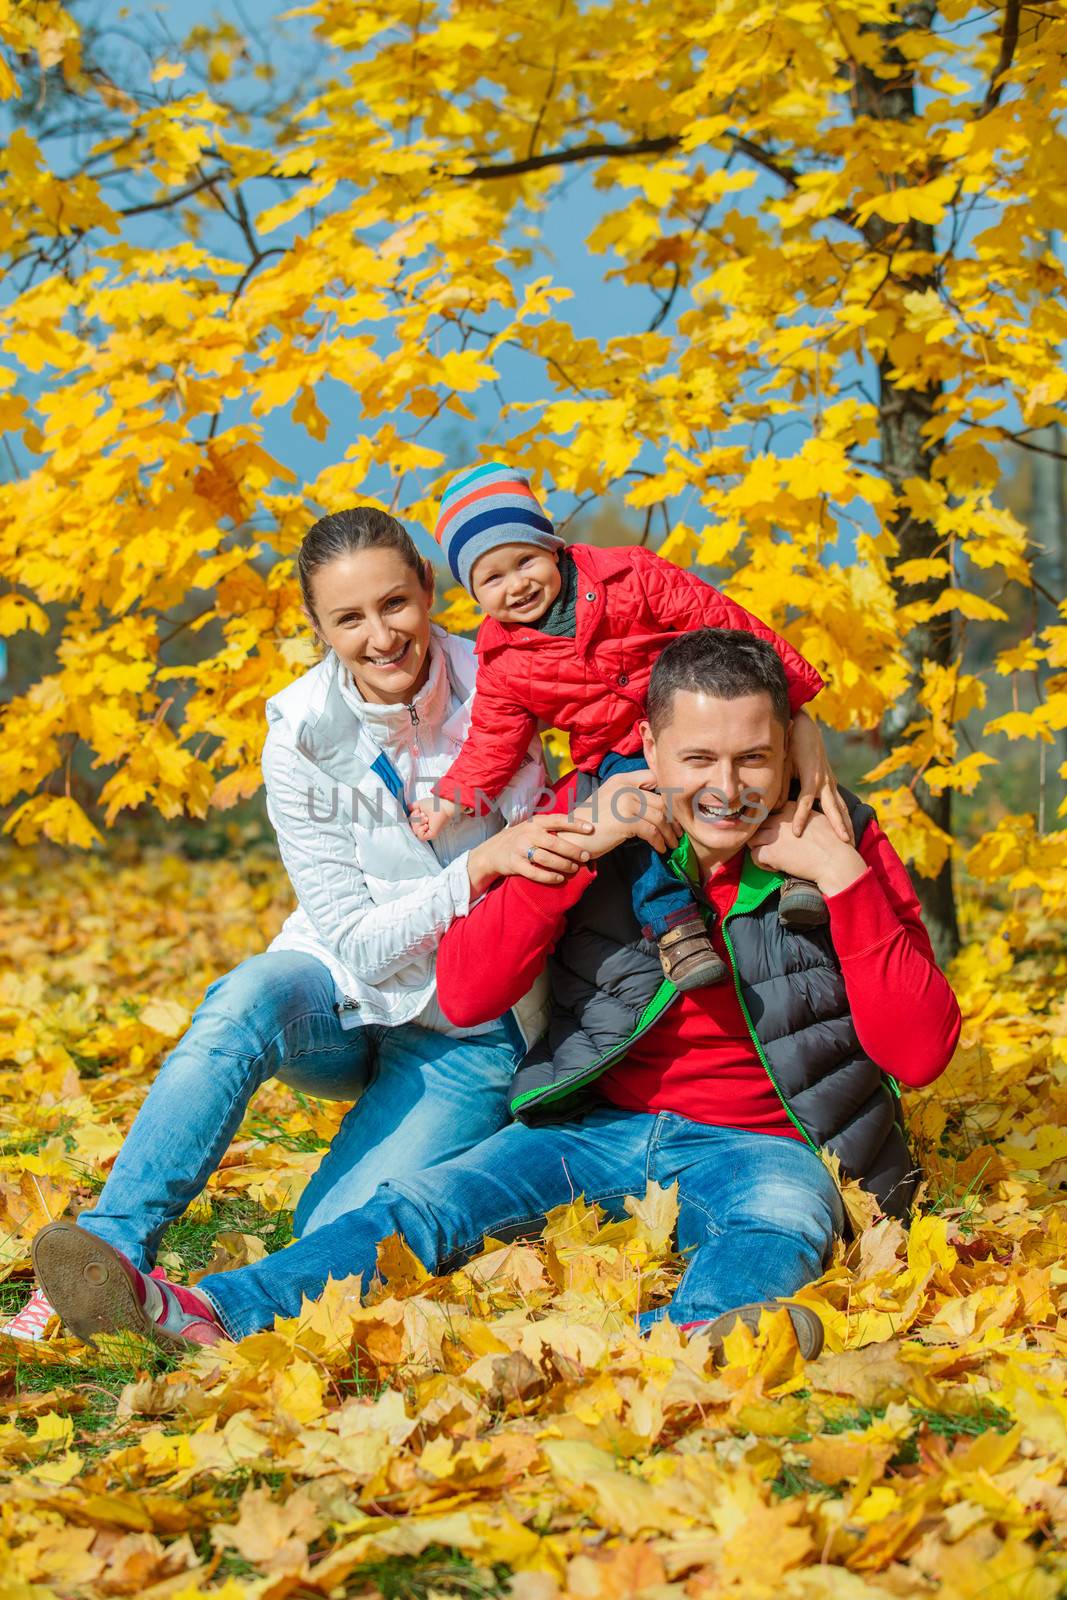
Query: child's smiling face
516	582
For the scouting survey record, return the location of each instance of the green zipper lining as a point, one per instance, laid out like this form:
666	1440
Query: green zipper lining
756	884
754	888
663	997
755	1040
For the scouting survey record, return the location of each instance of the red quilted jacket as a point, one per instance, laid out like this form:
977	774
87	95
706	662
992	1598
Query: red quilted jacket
630	604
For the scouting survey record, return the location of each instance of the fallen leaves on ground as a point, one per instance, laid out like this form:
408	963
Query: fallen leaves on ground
504	1429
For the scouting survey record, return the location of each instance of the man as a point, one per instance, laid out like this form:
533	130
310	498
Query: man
733	1090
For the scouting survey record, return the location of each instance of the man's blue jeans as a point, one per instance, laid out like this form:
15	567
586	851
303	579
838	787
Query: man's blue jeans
424	1097
660	900
758	1212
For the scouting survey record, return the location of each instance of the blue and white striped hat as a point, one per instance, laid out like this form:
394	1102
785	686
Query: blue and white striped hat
487	506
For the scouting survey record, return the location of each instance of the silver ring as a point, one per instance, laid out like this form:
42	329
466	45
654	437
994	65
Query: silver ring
530	852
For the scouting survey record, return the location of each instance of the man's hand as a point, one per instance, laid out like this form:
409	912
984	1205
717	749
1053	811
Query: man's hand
818	854
811	766
627	806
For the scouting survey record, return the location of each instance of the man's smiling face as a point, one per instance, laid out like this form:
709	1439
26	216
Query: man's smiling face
721	764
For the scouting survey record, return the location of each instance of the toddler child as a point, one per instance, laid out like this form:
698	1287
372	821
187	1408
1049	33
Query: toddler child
569	638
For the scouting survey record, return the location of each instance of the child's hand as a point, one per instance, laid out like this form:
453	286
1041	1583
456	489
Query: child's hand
818	853
428	817
812	767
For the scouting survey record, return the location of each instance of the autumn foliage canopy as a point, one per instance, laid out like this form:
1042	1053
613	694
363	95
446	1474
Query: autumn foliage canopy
844	220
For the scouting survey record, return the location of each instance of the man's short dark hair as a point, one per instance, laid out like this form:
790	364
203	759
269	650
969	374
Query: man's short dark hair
723	662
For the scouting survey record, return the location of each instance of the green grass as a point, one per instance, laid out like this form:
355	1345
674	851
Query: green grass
436	1571
271	1130
967	1201
985	1417
794	1479
194	1239
13	1296
31	1143
947	1424
231	1565
89	1390
91	1386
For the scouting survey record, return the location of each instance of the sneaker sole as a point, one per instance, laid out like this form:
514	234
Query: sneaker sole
807	1328
90	1287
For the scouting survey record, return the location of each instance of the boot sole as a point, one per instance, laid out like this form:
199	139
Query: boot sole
697	980
804	917
90	1287
807	1328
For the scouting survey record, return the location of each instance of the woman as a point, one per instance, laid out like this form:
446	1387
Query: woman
343	1004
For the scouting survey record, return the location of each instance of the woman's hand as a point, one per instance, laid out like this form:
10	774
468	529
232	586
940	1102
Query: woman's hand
811	766
548	848
818	854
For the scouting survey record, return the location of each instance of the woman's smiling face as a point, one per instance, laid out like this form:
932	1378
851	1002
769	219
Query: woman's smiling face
373	610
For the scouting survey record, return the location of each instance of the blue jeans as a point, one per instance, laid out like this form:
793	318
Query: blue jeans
758	1212
424	1097
659	898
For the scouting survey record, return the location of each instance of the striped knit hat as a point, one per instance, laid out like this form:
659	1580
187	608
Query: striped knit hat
487	506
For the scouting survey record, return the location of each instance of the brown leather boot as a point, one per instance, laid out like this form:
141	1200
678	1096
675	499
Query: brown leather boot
688	957
801	905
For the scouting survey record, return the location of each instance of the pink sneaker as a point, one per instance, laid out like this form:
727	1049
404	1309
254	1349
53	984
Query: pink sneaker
31	1323
94	1289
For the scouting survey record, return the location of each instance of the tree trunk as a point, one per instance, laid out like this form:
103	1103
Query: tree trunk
906	454
1048	530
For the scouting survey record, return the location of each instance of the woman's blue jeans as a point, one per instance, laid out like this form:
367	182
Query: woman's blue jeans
424	1098
757	1212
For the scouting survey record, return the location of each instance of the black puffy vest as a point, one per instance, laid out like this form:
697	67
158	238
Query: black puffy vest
608	986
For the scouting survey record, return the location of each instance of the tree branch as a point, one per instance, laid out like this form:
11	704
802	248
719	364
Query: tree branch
1015	438
1046	594
1009	38
666	301
763	158
178	195
256	261
550	90
597	151
601	150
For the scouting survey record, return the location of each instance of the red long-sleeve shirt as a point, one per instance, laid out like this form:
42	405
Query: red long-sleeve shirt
699	1060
